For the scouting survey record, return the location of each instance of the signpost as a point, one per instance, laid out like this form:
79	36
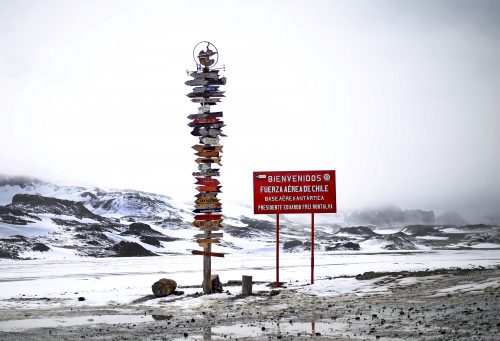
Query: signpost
294	192
208	128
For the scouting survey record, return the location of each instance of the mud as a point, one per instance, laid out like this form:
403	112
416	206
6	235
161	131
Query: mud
451	304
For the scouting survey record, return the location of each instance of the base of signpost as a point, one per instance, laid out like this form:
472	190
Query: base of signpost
207	271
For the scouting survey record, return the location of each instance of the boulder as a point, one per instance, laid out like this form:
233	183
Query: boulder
293	245
151	240
216	284
40	247
131	249
164	287
343	247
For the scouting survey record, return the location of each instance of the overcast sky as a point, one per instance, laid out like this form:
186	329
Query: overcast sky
401	98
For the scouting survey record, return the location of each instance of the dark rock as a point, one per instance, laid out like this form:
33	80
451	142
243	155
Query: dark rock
41	204
15	239
358	230
9	253
40	247
369	275
131	249
422	230
344	247
293	245
140	228
400	241
216	284
16	216
164	287
81	299
255	228
151	240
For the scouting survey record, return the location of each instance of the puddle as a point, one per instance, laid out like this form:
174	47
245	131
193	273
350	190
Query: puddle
269	329
52	322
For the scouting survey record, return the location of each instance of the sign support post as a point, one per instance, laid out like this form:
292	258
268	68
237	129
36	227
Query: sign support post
207	126
277	250
312	248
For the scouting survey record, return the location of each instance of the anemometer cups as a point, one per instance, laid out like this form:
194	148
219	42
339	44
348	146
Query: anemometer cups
205	54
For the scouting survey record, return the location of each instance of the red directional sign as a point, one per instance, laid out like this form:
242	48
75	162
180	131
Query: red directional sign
294	192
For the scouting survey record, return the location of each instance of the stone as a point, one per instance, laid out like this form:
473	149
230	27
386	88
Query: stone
164	287
40	247
216	284
131	249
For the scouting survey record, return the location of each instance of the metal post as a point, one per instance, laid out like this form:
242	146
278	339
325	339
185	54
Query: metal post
277	250
312	248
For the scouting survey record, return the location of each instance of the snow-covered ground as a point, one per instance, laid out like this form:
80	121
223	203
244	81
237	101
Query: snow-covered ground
105	281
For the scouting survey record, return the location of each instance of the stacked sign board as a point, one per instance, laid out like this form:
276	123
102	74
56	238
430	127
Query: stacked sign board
207	126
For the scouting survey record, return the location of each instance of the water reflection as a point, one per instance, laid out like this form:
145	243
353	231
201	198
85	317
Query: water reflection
161	317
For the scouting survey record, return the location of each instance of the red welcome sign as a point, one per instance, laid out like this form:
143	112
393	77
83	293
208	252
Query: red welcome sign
294	192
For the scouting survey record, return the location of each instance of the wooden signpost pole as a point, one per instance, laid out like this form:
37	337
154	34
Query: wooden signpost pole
207	126
312	248
207	269
277	250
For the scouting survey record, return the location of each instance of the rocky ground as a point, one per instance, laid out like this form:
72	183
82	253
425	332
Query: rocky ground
430	305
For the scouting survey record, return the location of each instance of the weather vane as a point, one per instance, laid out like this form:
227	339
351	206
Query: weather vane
205	55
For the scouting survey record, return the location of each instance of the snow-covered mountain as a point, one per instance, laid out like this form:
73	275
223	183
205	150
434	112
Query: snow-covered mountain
40	219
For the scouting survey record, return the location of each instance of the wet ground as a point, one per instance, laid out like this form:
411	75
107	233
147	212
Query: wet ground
432	305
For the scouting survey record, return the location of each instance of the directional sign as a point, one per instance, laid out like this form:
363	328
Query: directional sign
206	94
209	229
294	192
217	217
206	88
202	148
214	74
208	154
207	201
212	235
207	223
207	182
207	120
215	125
205	100
206	195
209	188
206	81
207	206
209	160
205	253
208	172
209	241
206	132
212	141
205	115
208	210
